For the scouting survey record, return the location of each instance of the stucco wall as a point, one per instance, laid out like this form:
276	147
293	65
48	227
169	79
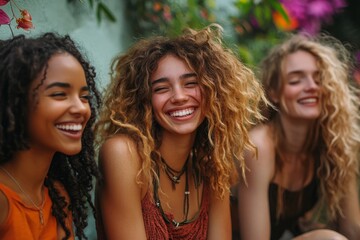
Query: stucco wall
100	42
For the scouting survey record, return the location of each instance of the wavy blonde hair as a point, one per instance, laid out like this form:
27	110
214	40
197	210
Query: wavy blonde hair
231	96
335	137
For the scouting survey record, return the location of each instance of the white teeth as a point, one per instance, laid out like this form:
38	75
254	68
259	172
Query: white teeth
182	113
309	100
70	127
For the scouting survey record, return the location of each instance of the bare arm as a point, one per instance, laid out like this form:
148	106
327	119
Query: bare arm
349	224
120	196
254	212
219	218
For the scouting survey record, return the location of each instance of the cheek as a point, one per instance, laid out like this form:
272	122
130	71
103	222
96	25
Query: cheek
157	102
289	94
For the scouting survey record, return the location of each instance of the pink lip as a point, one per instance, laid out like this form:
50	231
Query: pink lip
76	135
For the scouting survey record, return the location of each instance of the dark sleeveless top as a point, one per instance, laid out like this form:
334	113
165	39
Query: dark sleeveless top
292	209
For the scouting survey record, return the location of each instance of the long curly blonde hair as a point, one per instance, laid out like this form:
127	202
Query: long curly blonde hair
231	97
335	137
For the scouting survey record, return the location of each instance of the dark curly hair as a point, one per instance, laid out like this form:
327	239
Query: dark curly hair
21	61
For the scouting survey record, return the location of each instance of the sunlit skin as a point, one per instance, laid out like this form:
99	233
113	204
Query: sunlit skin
300	98
176	97
60	107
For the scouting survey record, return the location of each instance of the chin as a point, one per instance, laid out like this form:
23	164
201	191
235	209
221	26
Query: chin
72	151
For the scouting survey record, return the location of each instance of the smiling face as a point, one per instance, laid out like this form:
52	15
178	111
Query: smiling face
176	96
60	109
300	96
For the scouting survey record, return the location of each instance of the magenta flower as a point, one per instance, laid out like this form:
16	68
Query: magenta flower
4	18
3	2
311	14
24	22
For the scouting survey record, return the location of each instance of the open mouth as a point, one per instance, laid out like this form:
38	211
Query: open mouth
71	128
308	100
182	113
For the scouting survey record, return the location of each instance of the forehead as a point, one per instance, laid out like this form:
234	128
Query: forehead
61	67
299	61
170	66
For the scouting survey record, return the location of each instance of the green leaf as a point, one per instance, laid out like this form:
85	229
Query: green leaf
103	9
279	8
91	2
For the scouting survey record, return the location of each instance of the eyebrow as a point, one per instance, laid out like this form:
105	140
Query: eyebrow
64	85
296	72
164	79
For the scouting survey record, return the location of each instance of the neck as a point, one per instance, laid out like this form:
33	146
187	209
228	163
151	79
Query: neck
295	133
29	169
175	150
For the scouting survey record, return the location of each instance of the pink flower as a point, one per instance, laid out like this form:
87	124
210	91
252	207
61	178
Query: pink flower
167	13
4	18
3	2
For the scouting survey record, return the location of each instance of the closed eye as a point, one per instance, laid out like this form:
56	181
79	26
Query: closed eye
58	94
191	84
160	89
86	97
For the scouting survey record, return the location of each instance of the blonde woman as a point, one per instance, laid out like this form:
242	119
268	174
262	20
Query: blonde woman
174	126
308	148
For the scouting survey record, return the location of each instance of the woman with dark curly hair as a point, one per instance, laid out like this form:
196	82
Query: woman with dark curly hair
48	106
173	128
308	148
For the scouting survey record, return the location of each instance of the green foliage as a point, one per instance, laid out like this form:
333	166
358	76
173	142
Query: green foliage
168	16
101	10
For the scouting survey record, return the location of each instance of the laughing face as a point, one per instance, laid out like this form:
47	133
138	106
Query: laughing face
60	109
176	96
300	96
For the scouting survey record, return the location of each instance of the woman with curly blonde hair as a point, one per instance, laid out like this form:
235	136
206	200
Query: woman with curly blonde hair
308	149
173	130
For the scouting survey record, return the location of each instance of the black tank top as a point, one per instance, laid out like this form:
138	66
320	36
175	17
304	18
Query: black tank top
292	208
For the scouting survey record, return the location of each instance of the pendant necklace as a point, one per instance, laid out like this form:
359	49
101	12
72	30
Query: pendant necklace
39	208
173	174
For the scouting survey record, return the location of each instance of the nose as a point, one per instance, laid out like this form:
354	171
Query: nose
311	84
79	106
179	95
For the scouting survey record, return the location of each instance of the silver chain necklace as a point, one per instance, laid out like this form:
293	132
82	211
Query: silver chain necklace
39	208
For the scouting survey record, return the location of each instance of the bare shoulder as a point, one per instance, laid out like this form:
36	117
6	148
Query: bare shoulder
264	162
261	136
4	210
119	158
118	144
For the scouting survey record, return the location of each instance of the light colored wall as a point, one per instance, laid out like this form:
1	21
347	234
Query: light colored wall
99	42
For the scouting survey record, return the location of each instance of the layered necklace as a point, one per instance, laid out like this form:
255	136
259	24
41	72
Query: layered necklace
38	207
174	177
173	174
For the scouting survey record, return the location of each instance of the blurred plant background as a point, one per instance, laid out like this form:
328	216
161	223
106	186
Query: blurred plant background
252	27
